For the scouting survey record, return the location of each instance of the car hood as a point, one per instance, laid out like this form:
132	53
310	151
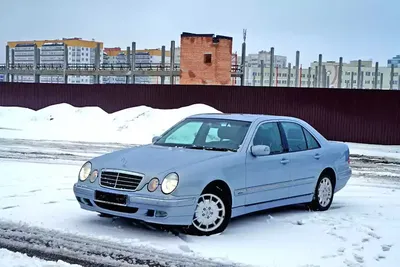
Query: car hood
154	160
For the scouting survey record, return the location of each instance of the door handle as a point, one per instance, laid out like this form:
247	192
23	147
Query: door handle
285	161
317	156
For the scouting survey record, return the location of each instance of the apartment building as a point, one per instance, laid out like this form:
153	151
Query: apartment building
308	78
143	59
23	54
394	61
253	61
367	75
52	52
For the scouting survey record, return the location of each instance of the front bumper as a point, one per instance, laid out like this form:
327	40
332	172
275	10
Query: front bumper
166	210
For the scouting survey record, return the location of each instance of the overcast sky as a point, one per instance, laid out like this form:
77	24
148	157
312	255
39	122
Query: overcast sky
354	29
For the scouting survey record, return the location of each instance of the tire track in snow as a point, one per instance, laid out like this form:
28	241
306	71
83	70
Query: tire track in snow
87	251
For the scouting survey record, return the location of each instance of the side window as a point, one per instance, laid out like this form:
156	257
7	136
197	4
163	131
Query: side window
295	136
268	134
312	143
186	134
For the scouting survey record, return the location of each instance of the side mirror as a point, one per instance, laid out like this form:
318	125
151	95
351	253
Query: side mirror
260	150
155	139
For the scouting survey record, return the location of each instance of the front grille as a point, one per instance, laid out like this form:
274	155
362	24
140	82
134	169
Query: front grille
120	180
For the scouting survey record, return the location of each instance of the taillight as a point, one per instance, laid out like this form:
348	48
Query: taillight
348	156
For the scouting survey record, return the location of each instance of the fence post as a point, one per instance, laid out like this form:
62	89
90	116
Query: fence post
359	74
163	63
296	78
172	62
128	61
65	67
262	73
133	62
319	70
271	65
391	77
36	62
243	64
340	74
376	75
352	80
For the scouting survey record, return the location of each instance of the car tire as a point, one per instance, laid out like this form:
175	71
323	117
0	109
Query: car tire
213	209
323	195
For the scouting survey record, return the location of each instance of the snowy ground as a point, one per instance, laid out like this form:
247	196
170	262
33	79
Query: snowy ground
12	259
362	228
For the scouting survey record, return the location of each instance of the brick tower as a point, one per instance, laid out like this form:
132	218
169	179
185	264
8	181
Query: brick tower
205	59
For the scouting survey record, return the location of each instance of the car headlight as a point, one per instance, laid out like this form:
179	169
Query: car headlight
153	184
169	183
93	176
85	171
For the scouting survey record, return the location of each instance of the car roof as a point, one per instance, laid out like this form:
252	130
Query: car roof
240	117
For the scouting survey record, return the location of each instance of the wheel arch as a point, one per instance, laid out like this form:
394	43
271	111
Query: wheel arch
331	173
221	186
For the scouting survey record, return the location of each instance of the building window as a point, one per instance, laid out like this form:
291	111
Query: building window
207	58
367	73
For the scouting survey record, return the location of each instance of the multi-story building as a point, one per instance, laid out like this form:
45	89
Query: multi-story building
308	77
114	56
143	59
395	61
253	61
52	53
23	55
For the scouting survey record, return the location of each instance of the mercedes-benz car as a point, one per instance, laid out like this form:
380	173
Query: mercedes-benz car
209	168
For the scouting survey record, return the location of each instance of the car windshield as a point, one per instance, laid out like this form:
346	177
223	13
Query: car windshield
207	134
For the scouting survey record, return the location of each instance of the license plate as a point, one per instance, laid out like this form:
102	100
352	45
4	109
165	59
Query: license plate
110	197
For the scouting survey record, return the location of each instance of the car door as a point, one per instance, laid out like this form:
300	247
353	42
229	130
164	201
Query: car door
267	177
304	153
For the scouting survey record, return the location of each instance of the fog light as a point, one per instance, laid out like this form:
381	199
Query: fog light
160	213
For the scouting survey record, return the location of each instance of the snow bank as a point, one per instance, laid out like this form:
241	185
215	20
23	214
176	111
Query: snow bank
135	125
11	259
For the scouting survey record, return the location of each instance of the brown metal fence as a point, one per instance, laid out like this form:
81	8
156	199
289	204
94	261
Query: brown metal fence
364	116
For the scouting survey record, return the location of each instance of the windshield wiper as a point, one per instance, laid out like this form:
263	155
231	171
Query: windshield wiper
211	148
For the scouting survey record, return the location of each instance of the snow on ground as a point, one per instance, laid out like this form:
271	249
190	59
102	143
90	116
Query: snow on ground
135	125
11	259
375	150
361	228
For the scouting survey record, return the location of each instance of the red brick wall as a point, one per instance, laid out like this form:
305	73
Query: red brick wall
193	68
